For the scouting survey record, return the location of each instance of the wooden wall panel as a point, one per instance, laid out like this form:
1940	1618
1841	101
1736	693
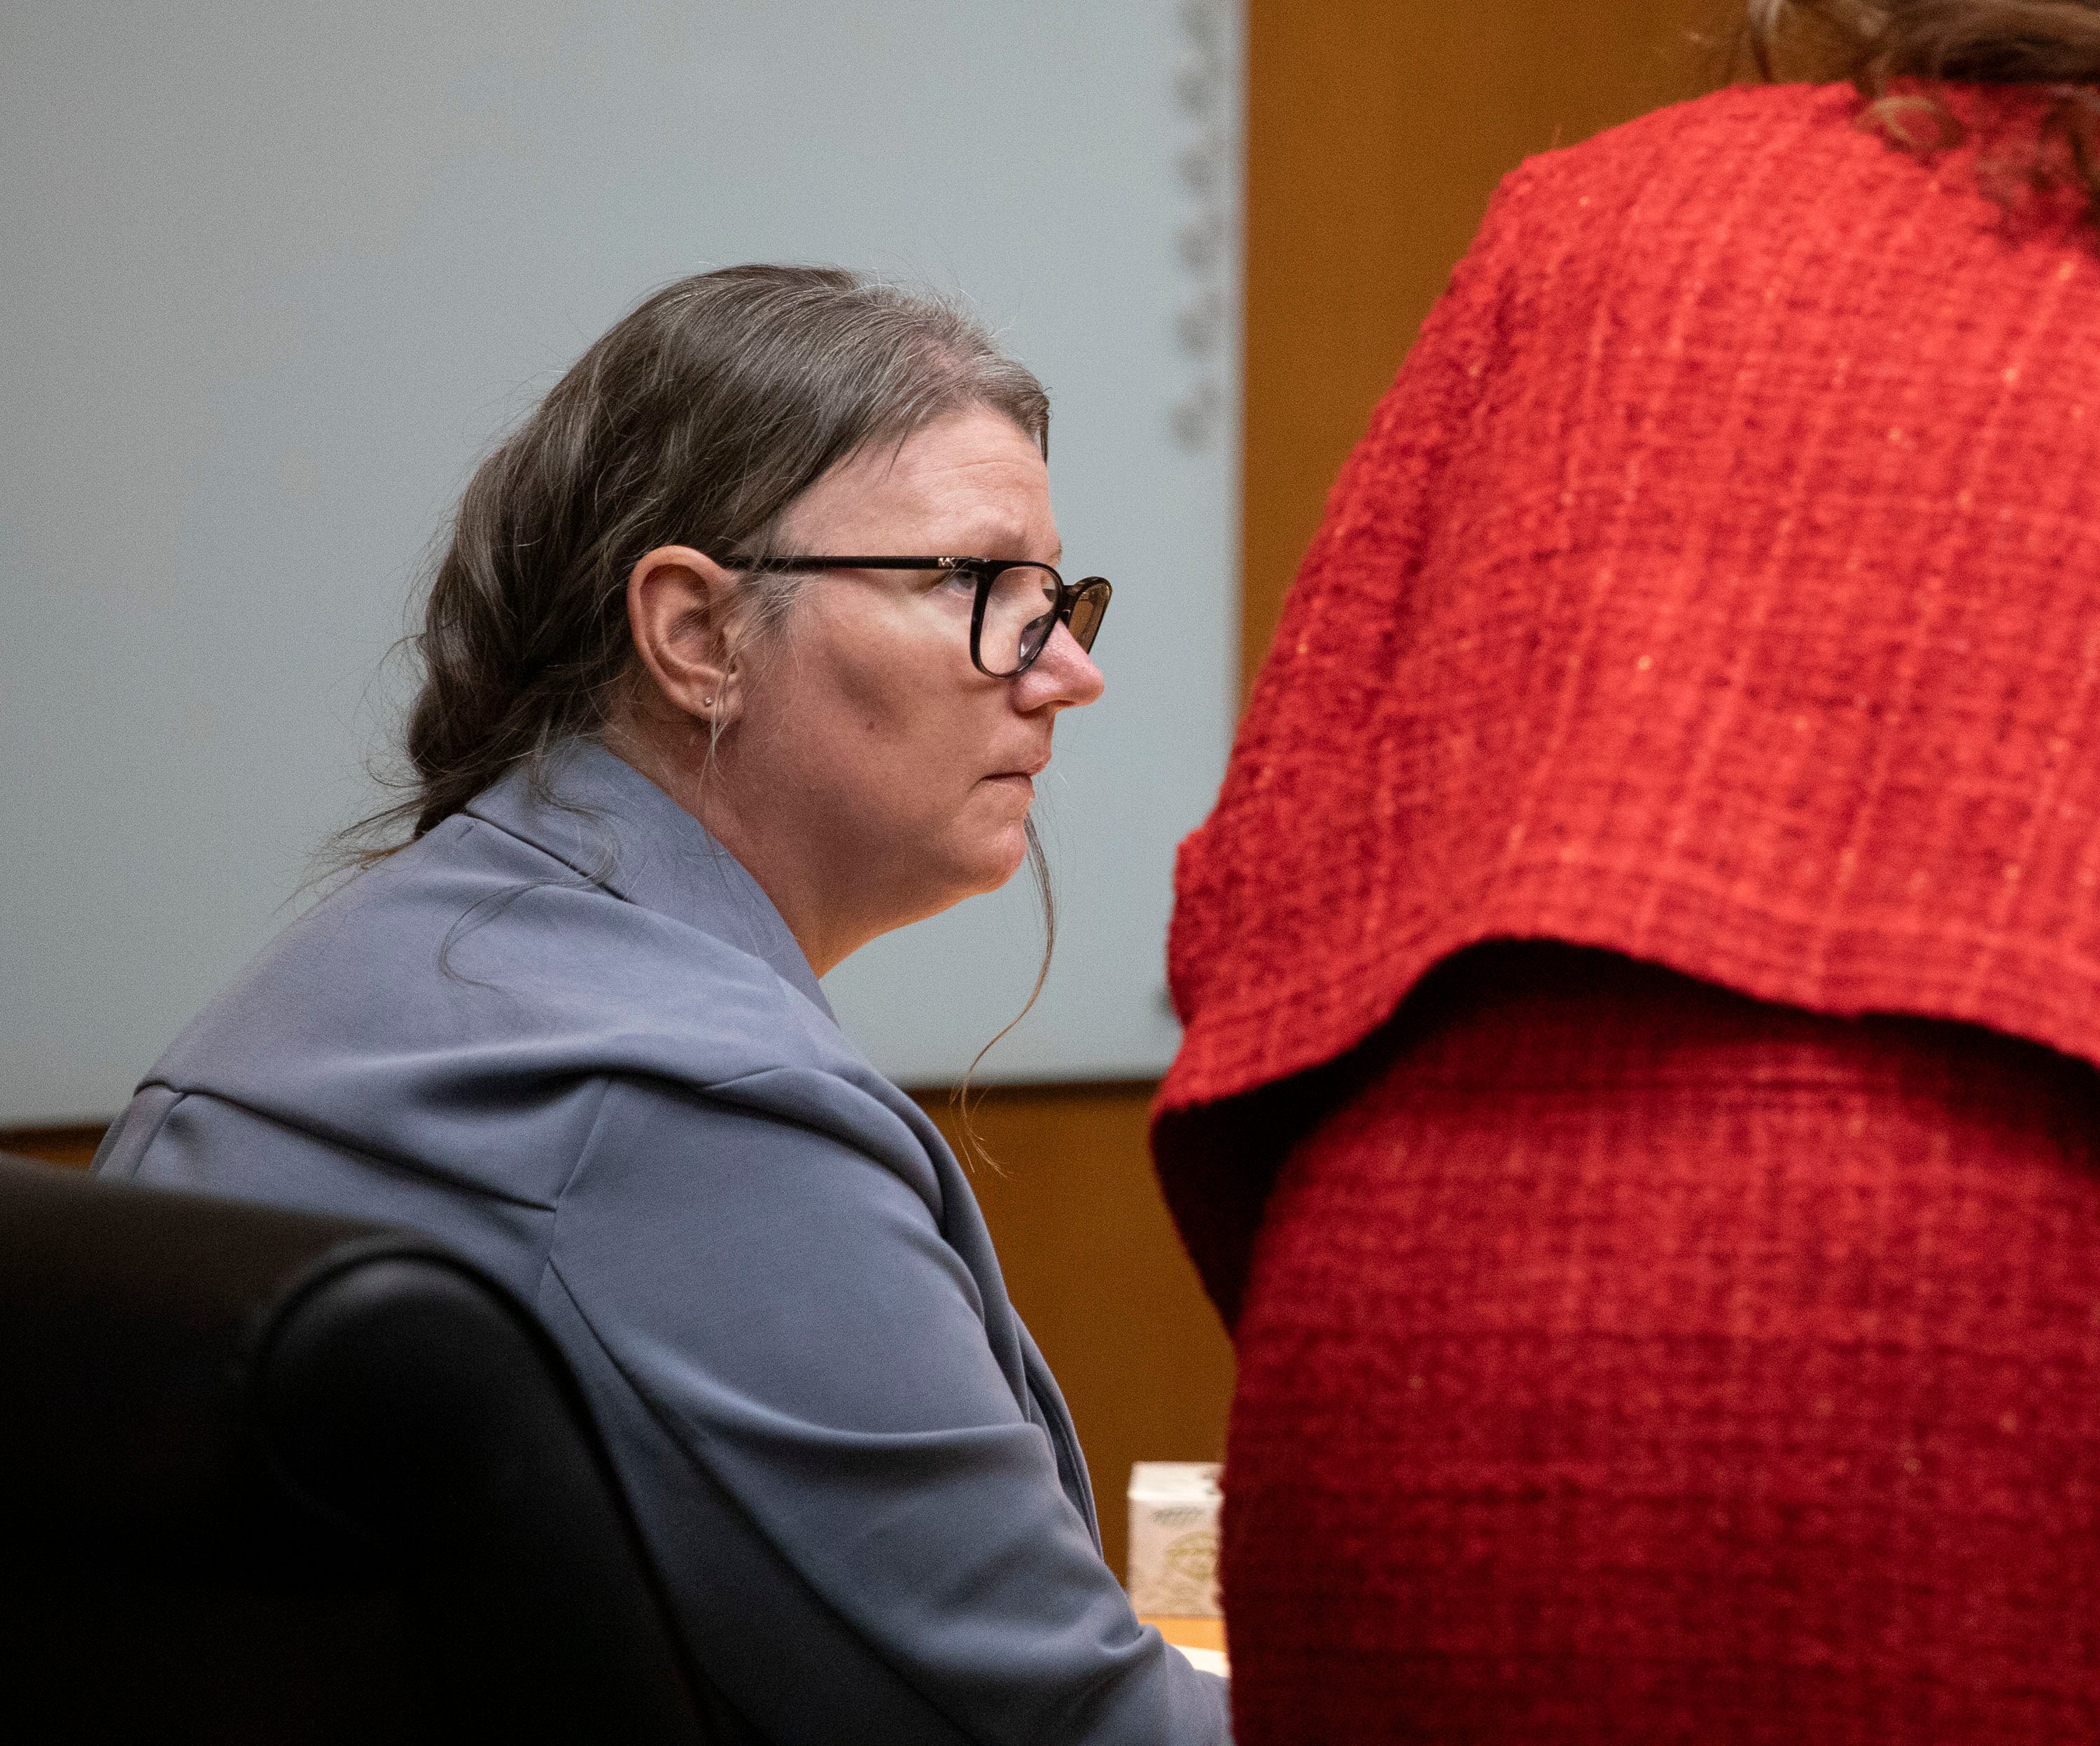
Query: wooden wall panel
73	1146
1377	129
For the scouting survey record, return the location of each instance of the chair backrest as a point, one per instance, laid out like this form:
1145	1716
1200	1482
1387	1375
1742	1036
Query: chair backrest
275	1478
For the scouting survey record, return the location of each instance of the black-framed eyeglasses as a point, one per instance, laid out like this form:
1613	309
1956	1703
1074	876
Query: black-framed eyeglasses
1019	605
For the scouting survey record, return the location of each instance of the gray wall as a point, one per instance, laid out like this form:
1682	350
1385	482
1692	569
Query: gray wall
274	275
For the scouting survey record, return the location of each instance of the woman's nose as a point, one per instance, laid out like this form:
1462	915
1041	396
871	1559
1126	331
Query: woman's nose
1063	677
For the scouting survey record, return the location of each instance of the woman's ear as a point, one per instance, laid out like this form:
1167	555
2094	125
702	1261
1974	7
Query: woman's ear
685	612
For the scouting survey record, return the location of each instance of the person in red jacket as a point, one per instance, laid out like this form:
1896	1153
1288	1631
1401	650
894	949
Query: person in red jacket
1642	977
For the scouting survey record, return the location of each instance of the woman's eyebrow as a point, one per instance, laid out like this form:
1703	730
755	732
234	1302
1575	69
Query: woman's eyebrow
1002	542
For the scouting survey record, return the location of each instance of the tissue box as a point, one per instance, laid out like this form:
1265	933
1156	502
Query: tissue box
1174	1539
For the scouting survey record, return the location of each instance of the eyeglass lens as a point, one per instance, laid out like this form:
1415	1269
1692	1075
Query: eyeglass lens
1020	611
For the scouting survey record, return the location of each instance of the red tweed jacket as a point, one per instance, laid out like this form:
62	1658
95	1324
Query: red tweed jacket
1718	584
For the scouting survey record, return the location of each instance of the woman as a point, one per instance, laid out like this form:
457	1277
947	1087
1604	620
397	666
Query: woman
689	734
1680	1320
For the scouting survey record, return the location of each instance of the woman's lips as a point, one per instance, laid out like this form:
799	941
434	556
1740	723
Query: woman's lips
1024	776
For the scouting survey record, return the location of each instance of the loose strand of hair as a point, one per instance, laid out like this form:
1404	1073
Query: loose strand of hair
965	1099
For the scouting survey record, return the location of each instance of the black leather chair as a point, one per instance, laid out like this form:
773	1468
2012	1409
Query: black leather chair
272	1478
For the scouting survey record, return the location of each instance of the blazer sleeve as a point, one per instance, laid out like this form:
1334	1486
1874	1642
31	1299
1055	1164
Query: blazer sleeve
861	1528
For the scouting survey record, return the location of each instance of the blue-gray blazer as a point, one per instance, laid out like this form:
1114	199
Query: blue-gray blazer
582	1047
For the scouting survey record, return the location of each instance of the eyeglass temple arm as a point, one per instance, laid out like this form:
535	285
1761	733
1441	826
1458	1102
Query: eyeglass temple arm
888	561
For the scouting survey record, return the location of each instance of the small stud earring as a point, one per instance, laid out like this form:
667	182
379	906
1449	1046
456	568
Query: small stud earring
707	703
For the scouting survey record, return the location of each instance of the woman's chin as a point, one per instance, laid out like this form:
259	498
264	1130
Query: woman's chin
986	868
999	860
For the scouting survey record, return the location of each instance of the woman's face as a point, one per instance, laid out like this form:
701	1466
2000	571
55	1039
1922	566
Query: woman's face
872	775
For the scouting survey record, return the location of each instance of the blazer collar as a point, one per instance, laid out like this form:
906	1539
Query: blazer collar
616	828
